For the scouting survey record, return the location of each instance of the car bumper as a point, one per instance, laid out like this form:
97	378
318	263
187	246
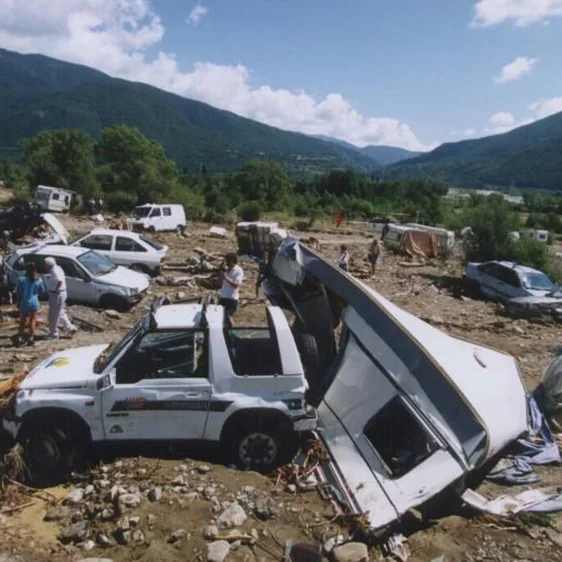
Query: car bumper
306	422
136	298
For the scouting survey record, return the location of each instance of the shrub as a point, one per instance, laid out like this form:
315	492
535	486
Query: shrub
250	211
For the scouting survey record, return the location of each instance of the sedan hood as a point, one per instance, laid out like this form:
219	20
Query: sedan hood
124	277
67	369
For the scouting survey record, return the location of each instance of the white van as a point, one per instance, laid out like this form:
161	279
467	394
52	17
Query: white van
53	199
159	218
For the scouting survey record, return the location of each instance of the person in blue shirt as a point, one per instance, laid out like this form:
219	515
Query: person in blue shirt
29	287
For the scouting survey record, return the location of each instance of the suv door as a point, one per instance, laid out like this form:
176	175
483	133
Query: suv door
161	390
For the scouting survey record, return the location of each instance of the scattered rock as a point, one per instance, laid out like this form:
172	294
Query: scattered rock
138	536
264	508
291	488
217	551
124	537
103	540
151	519
74	497
107	514
3	519
88	545
134	521
124	524
351	552
95	560
56	514
89	490
155	494
77	532
178	481
130	500
210	532
203	469
234	516
177	536
112	314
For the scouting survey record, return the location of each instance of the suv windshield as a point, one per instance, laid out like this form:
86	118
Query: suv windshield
95	263
152	243
107	356
538	281
141	212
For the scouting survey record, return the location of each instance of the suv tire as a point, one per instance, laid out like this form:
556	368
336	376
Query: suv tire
310	355
258	444
52	450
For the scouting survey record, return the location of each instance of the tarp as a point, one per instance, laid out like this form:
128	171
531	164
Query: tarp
421	244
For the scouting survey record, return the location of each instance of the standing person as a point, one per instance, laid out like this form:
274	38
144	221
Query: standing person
56	287
5	291
374	255
100	205
263	272
232	279
29	287
91	206
343	260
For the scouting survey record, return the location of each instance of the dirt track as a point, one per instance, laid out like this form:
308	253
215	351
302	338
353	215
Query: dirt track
425	291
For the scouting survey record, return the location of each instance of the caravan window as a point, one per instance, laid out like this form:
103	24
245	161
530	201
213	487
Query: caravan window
167	212
55	196
398	438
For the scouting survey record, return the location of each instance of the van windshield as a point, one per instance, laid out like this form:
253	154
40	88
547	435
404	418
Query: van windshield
95	263
141	212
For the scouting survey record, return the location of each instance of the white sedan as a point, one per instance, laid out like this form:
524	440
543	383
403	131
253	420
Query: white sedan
126	248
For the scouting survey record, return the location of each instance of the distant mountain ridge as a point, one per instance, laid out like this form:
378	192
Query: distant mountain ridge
382	155
526	157
37	93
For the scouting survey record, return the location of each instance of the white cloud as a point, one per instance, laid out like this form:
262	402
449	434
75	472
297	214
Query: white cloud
465	133
522	12
516	69
546	107
502	119
198	12
114	35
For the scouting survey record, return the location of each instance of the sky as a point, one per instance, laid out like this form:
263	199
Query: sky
407	73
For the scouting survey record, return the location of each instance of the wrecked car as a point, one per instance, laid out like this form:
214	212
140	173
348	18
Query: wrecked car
182	373
405	410
503	281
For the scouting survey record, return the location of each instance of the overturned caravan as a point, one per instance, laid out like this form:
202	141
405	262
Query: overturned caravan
404	409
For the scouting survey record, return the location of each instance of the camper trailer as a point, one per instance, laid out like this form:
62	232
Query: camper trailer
445	238
53	199
539	235
256	237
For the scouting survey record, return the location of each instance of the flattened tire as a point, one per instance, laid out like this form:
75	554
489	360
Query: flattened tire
310	356
259	444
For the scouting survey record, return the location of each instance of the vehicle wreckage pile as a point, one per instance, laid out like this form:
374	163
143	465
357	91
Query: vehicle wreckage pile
405	416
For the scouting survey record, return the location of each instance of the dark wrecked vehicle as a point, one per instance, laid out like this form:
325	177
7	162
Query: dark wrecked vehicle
404	409
547	307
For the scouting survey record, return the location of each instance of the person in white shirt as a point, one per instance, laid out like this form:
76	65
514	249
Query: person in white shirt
56	289
343	261
232	279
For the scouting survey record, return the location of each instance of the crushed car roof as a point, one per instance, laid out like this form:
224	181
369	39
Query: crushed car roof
179	316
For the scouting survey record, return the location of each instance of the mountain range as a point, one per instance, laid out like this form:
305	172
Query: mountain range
526	157
38	92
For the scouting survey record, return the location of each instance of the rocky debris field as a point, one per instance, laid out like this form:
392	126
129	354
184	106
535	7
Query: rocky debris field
175	508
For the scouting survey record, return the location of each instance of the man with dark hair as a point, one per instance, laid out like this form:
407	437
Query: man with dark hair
232	279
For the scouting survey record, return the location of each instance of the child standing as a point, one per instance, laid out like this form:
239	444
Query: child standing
29	287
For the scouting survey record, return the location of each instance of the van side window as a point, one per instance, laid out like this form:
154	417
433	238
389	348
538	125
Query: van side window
156	212
398	438
167	212
55	197
97	242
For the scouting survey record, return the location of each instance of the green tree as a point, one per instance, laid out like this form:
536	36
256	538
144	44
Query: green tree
265	182
61	158
491	223
132	163
249	211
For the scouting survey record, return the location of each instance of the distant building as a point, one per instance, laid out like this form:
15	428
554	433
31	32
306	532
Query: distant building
459	193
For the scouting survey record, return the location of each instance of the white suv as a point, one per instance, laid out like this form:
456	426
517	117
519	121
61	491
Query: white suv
180	374
90	277
126	248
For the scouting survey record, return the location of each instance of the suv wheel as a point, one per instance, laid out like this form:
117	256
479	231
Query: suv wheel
51	452
259	445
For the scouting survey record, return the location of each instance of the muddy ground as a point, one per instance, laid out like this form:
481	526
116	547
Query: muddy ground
171	527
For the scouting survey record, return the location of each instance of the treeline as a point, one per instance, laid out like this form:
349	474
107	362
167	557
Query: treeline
126	168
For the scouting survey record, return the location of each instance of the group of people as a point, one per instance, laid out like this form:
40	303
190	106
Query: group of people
95	206
28	290
373	256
